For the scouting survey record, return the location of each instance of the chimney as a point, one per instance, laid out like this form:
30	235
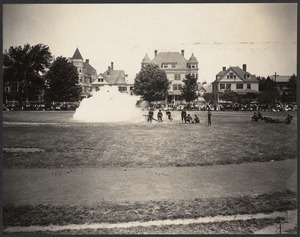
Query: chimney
108	71
155	53
182	52
245	67
112	65
87	61
224	68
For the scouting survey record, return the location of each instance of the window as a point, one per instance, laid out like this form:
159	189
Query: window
248	86
193	66
233	76
173	65
228	86
176	76
165	65
227	76
175	87
239	86
179	86
122	88
222	86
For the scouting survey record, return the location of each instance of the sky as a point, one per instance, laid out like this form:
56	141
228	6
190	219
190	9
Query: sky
263	36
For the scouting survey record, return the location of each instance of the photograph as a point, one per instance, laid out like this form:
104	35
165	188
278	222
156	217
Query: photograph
149	118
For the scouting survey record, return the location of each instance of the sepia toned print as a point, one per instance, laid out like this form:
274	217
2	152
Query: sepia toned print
149	119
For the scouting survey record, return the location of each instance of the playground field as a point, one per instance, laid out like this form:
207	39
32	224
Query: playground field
232	138
58	171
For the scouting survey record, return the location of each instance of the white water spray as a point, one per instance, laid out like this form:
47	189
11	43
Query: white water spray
109	105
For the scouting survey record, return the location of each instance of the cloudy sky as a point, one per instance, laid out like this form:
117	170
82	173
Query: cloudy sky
263	36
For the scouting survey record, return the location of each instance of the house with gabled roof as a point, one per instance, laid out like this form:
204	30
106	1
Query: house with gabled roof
86	73
112	77
234	79
176	67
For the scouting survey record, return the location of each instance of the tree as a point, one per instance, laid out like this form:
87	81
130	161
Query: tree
261	82
23	70
229	95
62	82
151	83
269	94
208	97
190	88
248	98
292	89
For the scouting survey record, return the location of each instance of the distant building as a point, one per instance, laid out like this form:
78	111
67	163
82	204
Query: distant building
234	79
86	73
204	88
113	77
176	67
280	82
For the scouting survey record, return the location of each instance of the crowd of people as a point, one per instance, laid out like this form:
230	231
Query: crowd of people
258	116
185	117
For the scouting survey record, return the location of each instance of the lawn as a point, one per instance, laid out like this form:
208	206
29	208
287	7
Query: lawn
42	139
109	212
59	140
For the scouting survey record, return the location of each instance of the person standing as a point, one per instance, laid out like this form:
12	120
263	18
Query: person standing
183	115
150	115
209	117
168	113
159	116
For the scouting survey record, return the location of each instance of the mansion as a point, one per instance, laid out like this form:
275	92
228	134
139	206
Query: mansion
234	79
112	77
176	67
86	73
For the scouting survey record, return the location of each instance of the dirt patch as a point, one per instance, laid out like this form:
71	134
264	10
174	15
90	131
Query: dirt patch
88	186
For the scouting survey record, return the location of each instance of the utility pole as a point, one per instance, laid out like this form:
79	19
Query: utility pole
275	76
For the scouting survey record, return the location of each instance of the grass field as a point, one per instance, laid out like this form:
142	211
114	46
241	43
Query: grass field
40	139
233	138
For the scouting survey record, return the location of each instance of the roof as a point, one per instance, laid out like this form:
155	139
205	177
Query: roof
77	55
170	57
88	68
193	59
280	78
207	88
146	59
114	76
239	72
96	82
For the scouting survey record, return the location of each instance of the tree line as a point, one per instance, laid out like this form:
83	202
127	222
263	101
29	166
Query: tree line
30	71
